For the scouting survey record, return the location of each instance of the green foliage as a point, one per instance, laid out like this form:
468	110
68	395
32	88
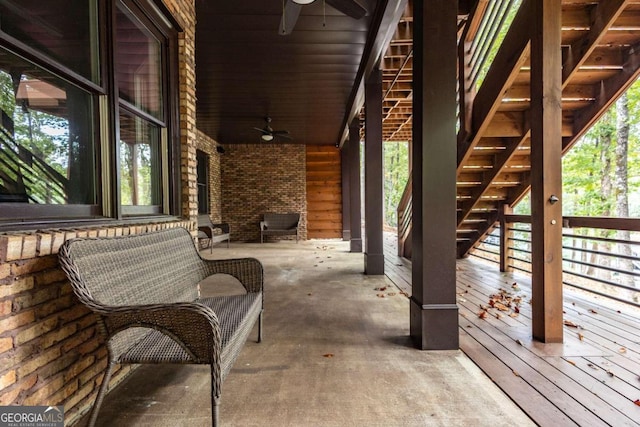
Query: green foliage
583	165
396	174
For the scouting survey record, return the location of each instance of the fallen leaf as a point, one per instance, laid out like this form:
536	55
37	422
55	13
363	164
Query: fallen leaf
513	314
516	309
591	310
328	355
498	316
637	402
501	307
591	366
380	295
516	373
570	323
611	374
580	336
519	342
482	314
309	294
572	362
391	294
622	350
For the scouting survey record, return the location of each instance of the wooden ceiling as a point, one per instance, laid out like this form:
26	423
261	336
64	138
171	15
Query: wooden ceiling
303	81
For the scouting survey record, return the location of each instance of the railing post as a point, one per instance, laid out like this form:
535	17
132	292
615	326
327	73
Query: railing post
505	237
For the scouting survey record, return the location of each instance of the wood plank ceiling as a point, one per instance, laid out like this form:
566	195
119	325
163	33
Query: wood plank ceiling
246	70
601	55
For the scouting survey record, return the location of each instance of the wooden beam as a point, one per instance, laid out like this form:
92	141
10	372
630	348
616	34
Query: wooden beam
503	71
546	170
605	14
501	159
610	90
385	19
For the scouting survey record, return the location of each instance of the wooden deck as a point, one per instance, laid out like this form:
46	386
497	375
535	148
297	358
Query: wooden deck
592	379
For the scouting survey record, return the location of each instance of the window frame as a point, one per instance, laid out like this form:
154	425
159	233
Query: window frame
159	21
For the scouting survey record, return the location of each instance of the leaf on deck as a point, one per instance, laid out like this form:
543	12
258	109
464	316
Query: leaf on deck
570	324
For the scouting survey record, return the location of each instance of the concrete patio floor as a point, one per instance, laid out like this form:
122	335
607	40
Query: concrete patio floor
336	352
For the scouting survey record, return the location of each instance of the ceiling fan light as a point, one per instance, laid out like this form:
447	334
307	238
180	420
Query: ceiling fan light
267	137
303	1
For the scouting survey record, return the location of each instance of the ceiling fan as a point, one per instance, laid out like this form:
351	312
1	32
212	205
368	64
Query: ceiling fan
291	11
268	134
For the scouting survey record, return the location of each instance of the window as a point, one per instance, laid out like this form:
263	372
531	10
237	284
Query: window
203	182
89	111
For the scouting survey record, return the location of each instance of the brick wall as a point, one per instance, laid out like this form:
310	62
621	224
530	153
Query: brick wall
209	146
50	351
259	178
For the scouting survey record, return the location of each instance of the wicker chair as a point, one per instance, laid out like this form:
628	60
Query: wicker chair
144	291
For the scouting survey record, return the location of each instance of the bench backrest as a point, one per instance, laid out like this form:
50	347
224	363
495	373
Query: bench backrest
153	268
280	221
204	220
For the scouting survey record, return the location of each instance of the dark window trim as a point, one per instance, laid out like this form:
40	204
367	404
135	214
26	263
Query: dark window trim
42	60
168	28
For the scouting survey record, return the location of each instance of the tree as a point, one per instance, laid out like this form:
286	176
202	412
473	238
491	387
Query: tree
622	186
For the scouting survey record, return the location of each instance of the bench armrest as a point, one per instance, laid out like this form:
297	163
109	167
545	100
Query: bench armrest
248	271
263	225
192	325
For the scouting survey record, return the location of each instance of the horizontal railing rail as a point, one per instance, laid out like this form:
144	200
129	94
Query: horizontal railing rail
594	262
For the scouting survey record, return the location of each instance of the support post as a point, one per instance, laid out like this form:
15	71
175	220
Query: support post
355	203
434	313
373	199
505	237
346	202
546	170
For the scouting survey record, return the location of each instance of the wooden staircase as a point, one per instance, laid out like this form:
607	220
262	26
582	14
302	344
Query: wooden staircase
601	59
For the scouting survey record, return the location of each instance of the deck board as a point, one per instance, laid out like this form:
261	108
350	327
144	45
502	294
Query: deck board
591	379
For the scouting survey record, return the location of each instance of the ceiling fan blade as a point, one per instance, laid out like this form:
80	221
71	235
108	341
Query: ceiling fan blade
261	130
283	135
349	7
280	132
289	18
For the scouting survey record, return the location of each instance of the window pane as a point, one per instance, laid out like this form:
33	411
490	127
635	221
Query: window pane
138	64
47	149
66	30
140	175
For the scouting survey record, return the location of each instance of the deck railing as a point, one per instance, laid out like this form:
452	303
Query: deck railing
404	220
600	255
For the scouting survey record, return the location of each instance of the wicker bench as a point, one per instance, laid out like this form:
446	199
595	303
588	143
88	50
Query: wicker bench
214	233
277	224
144	290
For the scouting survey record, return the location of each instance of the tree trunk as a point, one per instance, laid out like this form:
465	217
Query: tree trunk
604	141
621	186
